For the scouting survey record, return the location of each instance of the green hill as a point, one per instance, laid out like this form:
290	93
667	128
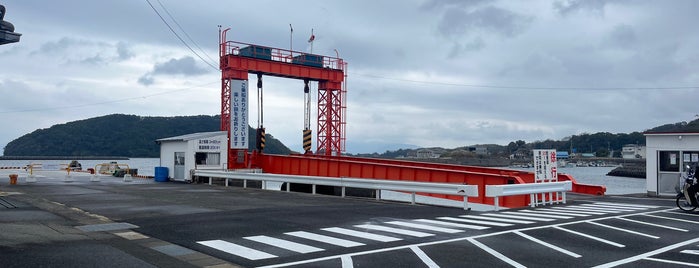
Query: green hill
119	135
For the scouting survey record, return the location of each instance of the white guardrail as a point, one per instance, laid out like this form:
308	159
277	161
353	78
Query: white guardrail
374	184
496	191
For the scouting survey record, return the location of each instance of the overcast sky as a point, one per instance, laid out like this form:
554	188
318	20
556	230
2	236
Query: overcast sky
428	73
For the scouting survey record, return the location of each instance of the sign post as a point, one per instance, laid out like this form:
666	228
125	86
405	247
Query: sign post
545	170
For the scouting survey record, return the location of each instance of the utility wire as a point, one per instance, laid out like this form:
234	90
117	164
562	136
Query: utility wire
523	87
185	32
104	102
180	38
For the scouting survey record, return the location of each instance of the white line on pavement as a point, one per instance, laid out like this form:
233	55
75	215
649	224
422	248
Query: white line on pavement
590	237
551	246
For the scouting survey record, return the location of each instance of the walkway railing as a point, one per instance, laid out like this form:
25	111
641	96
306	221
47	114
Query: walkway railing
496	191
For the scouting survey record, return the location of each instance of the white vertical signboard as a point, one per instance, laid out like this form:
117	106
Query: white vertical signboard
545	166
545	170
239	114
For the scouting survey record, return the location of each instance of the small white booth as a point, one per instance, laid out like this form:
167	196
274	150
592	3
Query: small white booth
204	150
667	154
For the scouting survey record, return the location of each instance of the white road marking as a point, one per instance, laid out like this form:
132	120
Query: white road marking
285	244
626	205
575	210
672	219
553	212
426	259
683	213
347	261
551	246
607	207
370	236
517	217
524	213
393	230
593	209
425	227
495	219
458	225
245	252
673	262
623	230
647	254
690	251
495	253
475	221
590	237
326	239
653	224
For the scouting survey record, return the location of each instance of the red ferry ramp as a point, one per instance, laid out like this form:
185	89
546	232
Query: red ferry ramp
355	167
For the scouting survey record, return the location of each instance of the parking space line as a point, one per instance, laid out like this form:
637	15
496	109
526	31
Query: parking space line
690	251
536	214
551	246
281	243
425	227
516	217
682	213
653	224
495	219
590	237
626	205
423	256
476	221
393	230
621	229
672	262
606	207
245	252
451	224
646	255
370	236
495	253
325	239
575	210
672	219
347	261
545	211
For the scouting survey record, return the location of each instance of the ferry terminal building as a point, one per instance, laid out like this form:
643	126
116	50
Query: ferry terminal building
667	155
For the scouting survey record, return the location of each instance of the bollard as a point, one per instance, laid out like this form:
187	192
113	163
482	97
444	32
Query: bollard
127	178
13	179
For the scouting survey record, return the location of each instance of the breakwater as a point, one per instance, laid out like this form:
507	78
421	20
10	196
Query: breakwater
633	170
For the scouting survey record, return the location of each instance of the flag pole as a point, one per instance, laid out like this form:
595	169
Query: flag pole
291	38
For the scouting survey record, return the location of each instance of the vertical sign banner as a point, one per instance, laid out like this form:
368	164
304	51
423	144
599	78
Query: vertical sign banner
239	114
545	165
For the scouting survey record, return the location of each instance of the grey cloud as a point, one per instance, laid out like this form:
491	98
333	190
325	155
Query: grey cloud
623	36
457	49
565	7
456	22
83	51
436	4
186	66
146	80
123	51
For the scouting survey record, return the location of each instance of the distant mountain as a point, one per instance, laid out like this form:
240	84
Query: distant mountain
692	126
375	147
119	135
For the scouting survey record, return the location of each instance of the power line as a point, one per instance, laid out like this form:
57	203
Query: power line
180	38
185	32
523	87
104	102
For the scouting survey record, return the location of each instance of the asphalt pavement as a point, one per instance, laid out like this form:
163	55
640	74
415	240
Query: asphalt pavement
76	222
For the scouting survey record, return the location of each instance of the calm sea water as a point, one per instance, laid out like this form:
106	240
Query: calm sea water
587	175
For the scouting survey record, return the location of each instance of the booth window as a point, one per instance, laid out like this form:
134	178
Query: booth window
669	161
211	159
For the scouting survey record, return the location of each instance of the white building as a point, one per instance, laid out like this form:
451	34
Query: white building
667	155
181	154
633	151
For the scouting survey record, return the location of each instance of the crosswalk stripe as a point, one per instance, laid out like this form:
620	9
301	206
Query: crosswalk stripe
517	217
393	230
326	239
614	206
546	211
237	250
495	219
626	205
475	221
425	227
285	244
577	210
690	251
365	235
525	213
458	225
